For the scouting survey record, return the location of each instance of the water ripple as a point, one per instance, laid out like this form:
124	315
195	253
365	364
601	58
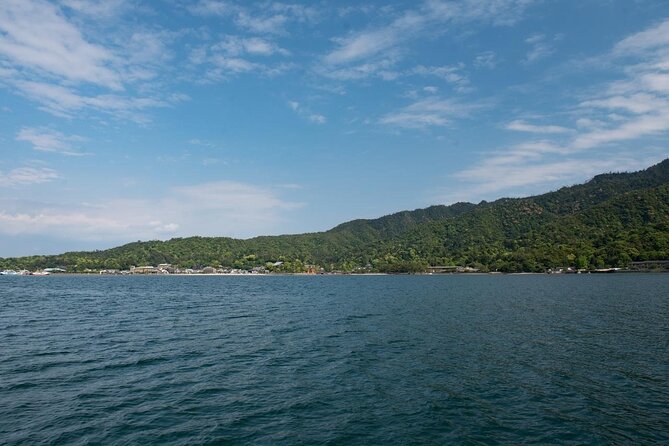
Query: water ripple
334	360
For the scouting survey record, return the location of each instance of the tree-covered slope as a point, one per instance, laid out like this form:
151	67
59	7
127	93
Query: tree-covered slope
606	222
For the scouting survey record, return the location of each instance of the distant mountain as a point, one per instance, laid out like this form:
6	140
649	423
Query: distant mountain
609	221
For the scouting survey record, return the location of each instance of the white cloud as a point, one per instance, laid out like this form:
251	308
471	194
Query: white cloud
433	111
654	38
144	53
48	140
453	74
95	8
638	105
272	24
35	35
63	101
46	57
487	59
363	45
654	124
629	110
235	45
27	175
369	47
304	112
293	186
234	55
223	208
496	12
316	118
658	82
540	48
213	7
382	68
521	178
262	18
232	64
296	12
522	126
211	161
413	23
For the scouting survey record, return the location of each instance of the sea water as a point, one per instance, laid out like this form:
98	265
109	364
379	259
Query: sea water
335	360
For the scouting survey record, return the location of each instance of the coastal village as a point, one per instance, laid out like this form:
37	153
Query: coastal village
169	269
162	269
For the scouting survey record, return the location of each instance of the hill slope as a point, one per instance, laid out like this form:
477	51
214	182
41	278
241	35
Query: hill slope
606	222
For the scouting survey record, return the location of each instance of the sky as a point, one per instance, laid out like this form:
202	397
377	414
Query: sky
126	120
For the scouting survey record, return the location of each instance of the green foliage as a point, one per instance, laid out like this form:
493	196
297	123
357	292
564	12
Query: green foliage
606	222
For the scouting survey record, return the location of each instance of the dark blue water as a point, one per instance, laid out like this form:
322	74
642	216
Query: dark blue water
334	360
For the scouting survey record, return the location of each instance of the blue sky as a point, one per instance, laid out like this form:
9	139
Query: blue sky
124	119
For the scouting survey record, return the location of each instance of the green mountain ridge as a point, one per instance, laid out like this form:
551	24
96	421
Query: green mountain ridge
608	221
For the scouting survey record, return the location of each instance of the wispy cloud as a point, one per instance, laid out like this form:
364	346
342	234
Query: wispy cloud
383	68
270	24
453	74
370	47
23	176
522	126
521	178
487	59
213	8
630	109
63	101
234	55
304	112
638	105
48	140
45	56
263	18
215	209
650	40
540	47
36	36
236	45
96	8
433	111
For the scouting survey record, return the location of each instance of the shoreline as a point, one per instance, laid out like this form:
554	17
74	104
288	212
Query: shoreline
476	274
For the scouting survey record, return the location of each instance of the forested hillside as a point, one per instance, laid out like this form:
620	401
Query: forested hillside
607	222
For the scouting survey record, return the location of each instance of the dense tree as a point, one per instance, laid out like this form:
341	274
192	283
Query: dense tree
607	222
